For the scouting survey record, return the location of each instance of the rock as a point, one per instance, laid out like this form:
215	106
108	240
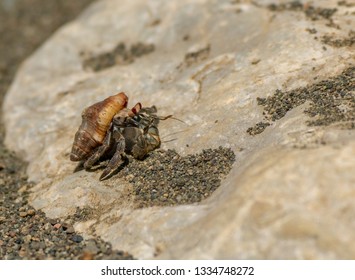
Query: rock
250	77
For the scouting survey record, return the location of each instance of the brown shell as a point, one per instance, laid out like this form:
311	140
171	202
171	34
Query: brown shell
96	120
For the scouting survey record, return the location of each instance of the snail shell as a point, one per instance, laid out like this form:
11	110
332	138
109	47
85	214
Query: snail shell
96	120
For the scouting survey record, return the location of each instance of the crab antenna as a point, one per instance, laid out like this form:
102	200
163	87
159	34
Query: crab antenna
165	118
170	140
170	117
174	133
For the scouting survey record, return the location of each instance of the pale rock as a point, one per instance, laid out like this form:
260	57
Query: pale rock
278	202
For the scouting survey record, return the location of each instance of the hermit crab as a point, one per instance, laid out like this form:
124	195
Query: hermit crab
110	130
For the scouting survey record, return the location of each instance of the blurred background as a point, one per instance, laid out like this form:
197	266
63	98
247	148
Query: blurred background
24	25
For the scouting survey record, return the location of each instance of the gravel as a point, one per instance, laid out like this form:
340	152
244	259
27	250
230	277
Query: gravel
166	178
26	233
340	42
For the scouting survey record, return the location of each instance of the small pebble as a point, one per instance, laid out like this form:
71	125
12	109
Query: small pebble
25	230
91	247
68	228
52	221
34	238
57	226
27	238
22	253
23	214
22	189
31	212
77	238
87	256
18	241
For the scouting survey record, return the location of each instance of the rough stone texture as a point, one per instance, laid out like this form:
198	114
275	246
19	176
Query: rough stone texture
291	189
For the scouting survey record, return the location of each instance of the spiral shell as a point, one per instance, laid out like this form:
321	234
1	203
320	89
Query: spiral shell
96	120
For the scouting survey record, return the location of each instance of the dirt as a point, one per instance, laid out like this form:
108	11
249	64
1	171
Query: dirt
346	4
347	41
197	56
166	178
311	12
120	55
331	101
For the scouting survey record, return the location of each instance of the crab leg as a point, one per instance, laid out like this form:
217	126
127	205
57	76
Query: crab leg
116	160
100	151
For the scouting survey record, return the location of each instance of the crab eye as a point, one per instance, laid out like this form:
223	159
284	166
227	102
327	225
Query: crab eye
137	108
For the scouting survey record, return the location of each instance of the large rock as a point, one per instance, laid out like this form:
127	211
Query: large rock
291	189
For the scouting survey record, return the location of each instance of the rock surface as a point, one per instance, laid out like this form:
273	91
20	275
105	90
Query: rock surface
215	65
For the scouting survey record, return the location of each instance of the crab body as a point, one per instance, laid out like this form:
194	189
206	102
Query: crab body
108	132
140	131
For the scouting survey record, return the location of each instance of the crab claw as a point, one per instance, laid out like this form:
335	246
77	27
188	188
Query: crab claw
105	174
